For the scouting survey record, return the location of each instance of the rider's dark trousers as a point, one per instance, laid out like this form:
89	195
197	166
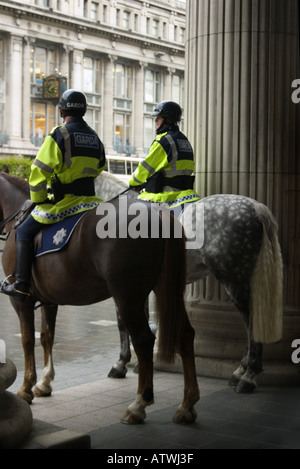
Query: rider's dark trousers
28	229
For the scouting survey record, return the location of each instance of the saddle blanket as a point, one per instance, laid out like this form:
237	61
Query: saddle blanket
56	236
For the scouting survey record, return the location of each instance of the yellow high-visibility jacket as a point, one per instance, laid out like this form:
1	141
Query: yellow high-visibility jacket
70	152
172	153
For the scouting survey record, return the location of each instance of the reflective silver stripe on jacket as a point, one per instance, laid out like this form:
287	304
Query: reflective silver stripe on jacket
67	140
172	143
43	187
148	167
43	166
173	171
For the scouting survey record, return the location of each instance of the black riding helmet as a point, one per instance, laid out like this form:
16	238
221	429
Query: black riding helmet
73	103
168	109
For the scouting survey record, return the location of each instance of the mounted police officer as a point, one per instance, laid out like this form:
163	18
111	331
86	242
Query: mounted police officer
166	174
69	160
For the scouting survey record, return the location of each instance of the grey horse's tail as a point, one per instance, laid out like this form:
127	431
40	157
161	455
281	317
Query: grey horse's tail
266	283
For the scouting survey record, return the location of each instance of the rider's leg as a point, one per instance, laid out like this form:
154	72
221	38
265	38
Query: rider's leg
24	256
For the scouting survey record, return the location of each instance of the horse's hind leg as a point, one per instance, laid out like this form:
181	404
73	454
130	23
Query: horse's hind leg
119	369
43	387
250	367
243	378
143	342
186	412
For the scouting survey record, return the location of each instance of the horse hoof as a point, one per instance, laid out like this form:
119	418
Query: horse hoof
245	387
27	396
234	380
131	419
38	392
117	373
185	416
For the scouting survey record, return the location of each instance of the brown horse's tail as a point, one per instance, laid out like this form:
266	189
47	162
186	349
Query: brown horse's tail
169	291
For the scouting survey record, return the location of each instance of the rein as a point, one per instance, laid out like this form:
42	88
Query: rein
13	215
6	220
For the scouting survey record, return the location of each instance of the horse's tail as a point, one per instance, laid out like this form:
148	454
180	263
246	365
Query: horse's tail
266	283
169	291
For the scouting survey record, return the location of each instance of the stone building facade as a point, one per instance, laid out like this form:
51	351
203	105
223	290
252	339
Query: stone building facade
124	55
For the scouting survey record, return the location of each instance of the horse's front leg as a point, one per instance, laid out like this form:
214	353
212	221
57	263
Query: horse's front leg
186	412
143	343
43	387
25	312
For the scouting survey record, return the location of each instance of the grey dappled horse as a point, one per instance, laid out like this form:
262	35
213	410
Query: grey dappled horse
235	239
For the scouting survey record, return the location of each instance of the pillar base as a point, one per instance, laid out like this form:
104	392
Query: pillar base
220	342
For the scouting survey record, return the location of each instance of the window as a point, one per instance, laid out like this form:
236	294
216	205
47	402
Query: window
122	133
155	27
94	11
92	117
41	121
152	87
85	8
91	75
165	28
178	89
151	98
126	20
122	108
104	14
92	90
182	35
118	16
122	81
136	22
43	63
149	132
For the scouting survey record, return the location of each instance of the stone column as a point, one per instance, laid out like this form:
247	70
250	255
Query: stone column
26	91
139	108
15	83
241	59
107	107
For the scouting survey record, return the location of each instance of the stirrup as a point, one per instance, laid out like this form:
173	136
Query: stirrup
4	282
15	293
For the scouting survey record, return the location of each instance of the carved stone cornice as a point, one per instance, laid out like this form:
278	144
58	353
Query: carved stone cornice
81	27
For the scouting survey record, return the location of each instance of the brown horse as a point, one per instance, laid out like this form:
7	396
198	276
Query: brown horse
91	269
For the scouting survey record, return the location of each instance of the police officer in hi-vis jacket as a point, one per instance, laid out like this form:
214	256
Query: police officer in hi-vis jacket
69	160
166	174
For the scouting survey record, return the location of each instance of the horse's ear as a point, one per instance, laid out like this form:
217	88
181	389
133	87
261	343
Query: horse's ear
5	169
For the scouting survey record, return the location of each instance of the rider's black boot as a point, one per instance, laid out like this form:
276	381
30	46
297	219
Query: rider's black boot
20	288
